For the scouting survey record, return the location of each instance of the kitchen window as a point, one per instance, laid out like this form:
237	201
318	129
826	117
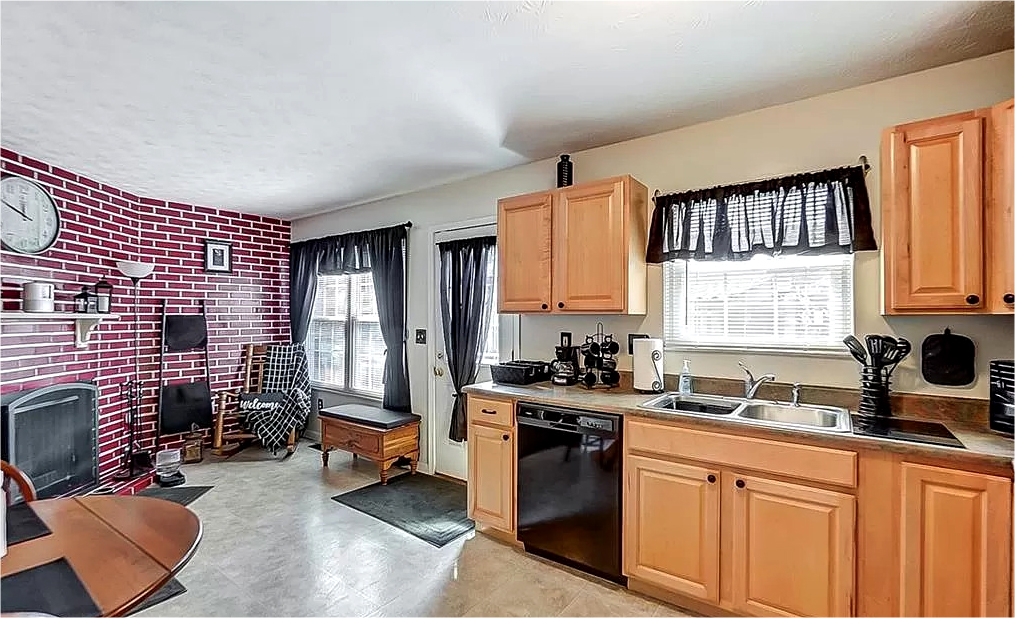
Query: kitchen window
491	347
345	346
780	304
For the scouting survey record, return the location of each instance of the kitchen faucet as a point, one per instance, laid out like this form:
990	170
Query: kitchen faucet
752	385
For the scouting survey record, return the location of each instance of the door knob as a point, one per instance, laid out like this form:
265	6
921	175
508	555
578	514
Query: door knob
560	305
1009	298
740	483
437	371
545	306
972	299
711	478
506	437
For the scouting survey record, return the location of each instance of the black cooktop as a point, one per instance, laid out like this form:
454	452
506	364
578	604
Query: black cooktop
910	430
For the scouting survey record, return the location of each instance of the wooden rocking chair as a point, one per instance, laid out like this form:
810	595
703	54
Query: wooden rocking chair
227	443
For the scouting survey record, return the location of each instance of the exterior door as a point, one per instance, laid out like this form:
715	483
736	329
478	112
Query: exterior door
792	548
933	215
590	249
956	543
525	226
450	457
491	477
1000	252
672	526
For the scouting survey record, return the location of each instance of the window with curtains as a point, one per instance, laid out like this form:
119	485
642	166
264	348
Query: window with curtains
787	303
491	347
344	345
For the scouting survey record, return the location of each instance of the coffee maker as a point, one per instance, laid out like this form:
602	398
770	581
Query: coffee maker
565	368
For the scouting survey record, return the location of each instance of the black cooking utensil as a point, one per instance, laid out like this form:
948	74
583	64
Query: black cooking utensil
875	345
856	349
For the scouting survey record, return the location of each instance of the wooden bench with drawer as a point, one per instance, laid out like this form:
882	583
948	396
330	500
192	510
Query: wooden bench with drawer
380	435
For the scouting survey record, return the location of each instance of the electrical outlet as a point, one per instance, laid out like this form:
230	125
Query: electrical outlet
421	336
630	341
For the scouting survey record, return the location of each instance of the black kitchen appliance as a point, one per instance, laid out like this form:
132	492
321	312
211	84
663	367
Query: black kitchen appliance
907	429
569	487
1002	396
565	368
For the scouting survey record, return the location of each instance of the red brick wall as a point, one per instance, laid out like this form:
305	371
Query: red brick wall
101	225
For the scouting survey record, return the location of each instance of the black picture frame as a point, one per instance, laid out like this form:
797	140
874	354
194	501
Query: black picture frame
218	256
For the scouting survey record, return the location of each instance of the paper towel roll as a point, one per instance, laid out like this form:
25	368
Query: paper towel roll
648	365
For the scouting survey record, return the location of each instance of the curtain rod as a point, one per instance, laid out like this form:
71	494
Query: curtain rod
862	160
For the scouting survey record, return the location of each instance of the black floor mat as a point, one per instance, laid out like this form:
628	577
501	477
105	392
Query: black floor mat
172	588
181	495
425	506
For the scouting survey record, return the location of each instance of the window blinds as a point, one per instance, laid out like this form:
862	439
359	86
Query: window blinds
786	303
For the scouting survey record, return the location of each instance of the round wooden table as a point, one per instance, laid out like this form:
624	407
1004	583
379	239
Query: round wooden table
123	548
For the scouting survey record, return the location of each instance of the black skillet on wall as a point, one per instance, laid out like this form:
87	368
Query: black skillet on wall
948	359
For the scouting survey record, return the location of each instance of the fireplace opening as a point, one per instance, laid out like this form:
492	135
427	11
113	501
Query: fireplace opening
51	434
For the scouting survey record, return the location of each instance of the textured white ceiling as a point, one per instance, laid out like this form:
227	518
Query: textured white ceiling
290	108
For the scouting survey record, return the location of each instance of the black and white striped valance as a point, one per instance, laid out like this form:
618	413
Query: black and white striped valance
812	213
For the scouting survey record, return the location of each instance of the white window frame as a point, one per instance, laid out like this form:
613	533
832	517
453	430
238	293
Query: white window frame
350	352
675	304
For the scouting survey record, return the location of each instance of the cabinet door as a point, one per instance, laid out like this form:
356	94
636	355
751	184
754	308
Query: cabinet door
491	476
671	526
793	548
524	227
1000	253
590	249
956	543
932	216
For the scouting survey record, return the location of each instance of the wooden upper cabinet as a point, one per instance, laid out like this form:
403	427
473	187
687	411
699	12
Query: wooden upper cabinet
932	215
956	543
524	229
491	476
671	529
1000	254
793	548
583	252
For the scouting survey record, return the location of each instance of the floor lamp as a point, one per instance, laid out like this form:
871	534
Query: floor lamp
136	271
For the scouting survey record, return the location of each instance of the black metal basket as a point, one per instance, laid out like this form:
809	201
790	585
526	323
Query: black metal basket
520	372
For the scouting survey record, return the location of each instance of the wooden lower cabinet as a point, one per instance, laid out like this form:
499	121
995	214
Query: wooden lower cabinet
793	548
491	487
955	543
671	532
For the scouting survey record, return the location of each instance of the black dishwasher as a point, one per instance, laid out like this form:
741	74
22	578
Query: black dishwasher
569	484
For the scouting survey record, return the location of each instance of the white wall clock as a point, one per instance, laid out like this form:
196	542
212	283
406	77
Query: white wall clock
29	221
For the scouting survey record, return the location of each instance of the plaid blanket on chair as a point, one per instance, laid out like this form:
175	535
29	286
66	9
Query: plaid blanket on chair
285	371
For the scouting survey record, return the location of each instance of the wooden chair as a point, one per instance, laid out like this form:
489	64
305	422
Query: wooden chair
228	442
11	473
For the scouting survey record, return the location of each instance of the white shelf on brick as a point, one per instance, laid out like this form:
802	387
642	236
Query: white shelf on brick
84	323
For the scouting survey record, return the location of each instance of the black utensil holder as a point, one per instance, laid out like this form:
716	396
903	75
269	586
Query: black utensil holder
874	397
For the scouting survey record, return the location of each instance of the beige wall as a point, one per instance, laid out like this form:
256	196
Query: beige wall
831	130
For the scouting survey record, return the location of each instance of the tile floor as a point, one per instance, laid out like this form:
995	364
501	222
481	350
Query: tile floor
275	544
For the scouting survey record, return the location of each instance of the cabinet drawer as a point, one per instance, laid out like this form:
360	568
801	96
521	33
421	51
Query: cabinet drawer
491	411
814	463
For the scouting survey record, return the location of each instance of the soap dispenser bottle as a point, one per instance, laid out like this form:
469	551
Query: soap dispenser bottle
684	385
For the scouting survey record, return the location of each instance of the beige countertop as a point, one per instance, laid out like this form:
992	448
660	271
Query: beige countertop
983	446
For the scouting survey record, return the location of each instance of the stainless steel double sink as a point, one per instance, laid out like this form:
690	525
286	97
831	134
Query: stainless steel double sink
755	411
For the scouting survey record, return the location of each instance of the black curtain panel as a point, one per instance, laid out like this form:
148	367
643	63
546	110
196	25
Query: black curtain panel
381	252
465	315
303	260
387	250
812	213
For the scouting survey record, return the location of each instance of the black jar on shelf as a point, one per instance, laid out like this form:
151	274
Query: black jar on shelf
81	300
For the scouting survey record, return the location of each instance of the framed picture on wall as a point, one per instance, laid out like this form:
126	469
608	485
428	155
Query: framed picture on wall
218	256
